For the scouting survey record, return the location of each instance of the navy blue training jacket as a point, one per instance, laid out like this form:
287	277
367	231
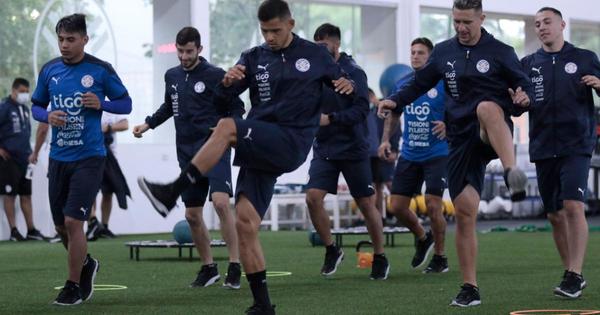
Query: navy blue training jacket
15	130
286	85
189	100
346	138
561	119
471	74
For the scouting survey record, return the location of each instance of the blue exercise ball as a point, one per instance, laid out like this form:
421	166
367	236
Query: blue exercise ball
390	76
182	232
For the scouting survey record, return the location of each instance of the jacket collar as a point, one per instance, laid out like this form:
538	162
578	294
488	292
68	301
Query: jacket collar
566	48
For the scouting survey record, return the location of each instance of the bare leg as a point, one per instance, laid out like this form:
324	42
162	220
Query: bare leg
106	207
77	247
27	211
560	233
466	205
495	130
578	234
400	208
247	225
64	237
379	198
438	223
9	208
373	222
318	215
221	204
200	234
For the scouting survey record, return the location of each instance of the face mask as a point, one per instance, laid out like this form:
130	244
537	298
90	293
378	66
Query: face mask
23	98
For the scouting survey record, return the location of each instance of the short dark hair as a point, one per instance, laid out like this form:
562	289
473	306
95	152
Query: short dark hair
74	23
551	9
423	41
327	30
20	82
371	91
188	34
467	5
271	9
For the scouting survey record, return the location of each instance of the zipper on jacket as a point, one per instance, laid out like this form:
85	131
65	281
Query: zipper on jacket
282	57
186	76
468	52
554	105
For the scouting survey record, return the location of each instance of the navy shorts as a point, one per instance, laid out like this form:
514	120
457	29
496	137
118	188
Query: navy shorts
73	186
562	178
467	161
12	179
382	171
264	151
218	179
410	175
324	174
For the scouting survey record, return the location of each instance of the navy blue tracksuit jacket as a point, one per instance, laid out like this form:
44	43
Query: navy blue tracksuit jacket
561	119
15	130
471	74
286	85
346	138
189	100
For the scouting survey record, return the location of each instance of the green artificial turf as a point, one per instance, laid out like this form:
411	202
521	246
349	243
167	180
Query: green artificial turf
516	271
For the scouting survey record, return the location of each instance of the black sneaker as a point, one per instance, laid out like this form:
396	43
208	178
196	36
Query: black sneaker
422	250
468	296
15	236
88	276
516	182
380	268
571	287
162	196
234	273
257	309
35	235
438	264
333	258
564	277
92	230
69	295
208	275
106	233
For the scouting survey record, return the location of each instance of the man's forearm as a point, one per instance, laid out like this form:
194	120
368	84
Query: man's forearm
389	126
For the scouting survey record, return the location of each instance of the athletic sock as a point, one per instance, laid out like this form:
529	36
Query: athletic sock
258	285
189	176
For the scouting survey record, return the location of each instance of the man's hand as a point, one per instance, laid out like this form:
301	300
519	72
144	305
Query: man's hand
385	152
140	129
90	100
57	118
343	86
234	74
592	81
439	129
33	158
324	120
4	154
385	107
519	97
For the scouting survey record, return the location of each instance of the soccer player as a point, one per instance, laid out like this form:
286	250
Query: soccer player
15	153
284	76
484	85
423	158
189	92
562	138
341	146
76	85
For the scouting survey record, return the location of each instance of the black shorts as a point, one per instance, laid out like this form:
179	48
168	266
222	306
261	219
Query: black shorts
410	175
12	179
562	178
382	171
73	186
264	151
324	174
467	161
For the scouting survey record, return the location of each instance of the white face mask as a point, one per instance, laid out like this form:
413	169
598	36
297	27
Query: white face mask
23	98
